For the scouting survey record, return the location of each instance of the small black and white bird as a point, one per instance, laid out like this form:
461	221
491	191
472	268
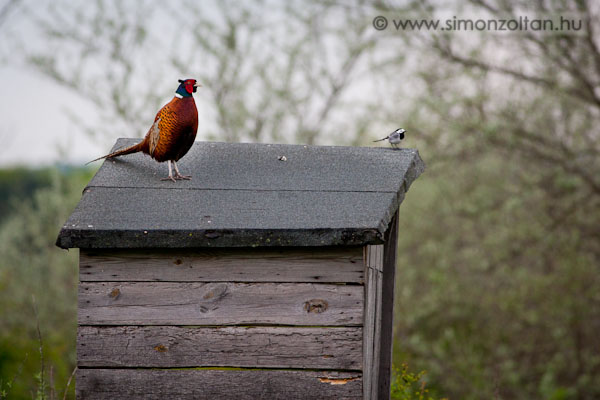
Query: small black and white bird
394	138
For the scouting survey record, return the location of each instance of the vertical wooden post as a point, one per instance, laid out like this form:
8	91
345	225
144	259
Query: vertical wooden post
387	307
372	324
380	268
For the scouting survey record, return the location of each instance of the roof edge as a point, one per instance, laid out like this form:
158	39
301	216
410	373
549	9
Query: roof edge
416	168
114	239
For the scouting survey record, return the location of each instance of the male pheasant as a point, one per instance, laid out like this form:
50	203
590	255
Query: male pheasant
173	131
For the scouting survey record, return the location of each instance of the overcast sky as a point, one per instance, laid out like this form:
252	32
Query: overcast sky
32	107
34	122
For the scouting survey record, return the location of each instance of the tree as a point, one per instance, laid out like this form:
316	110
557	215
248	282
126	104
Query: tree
499	249
503	303
268	69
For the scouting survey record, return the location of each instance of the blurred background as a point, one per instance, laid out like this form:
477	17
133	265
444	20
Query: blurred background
498	290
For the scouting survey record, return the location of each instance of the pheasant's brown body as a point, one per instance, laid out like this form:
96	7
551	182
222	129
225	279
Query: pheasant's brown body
173	132
171	135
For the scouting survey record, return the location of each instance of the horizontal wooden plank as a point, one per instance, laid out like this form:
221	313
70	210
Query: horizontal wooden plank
168	303
265	347
135	384
224	265
217	384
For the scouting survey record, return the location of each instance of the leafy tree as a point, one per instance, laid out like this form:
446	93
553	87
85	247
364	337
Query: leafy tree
500	272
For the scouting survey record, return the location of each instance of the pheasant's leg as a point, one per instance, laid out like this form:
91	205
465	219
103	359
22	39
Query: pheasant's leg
170	177
178	175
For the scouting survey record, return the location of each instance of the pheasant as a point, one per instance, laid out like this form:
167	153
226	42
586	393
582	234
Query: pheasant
172	133
394	138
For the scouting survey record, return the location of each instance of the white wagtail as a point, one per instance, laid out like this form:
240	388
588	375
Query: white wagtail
394	138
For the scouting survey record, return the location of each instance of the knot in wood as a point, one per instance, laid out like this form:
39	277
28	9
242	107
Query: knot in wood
216	292
316	306
115	293
161	348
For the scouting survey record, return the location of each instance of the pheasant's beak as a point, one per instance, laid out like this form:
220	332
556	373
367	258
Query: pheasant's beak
196	86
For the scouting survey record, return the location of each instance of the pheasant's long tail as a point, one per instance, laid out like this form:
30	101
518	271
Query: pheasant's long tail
387	137
121	152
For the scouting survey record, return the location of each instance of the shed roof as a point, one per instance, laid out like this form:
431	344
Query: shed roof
244	194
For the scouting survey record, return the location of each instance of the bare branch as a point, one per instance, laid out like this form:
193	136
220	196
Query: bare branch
550	84
69	383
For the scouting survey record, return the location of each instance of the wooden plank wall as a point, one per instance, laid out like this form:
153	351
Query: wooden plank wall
230	323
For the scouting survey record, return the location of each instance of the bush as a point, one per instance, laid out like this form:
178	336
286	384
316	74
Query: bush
408	385
30	264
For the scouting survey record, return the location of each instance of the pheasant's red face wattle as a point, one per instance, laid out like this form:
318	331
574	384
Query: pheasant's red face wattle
190	86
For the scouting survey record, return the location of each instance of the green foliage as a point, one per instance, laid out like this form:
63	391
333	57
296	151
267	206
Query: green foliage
408	385
30	264
41	386
498	274
19	183
491	301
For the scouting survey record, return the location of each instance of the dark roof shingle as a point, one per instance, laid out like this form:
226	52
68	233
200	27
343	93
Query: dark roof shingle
242	194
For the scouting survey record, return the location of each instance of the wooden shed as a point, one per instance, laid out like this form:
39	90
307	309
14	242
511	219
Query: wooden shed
269	275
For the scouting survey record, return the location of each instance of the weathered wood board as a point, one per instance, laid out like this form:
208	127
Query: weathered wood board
197	384
262	347
167	303
387	309
372	333
327	265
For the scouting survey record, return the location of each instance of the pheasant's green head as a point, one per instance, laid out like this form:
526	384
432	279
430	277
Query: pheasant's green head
187	87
